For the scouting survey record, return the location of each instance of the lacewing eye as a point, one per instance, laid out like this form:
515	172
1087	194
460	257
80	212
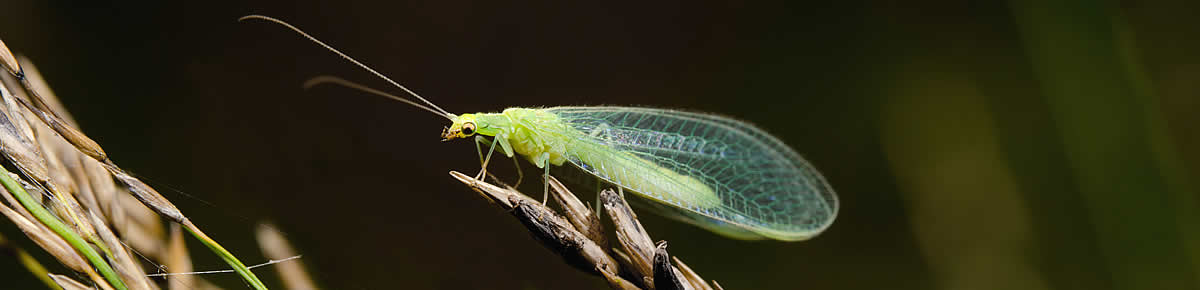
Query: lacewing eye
468	129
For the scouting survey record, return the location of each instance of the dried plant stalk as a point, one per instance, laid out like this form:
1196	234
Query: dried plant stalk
46	239
178	261
8	61
69	192
276	247
68	284
644	265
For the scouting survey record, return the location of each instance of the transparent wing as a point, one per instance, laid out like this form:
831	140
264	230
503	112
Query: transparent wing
766	189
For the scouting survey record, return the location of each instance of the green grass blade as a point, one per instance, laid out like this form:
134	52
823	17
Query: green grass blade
62	230
237	265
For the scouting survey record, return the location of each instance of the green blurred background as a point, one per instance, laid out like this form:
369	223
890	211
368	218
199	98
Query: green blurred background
1004	145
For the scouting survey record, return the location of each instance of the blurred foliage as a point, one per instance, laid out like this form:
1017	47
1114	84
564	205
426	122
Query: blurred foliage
978	145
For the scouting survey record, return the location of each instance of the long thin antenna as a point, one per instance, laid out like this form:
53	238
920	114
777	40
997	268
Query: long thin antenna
336	80
347	57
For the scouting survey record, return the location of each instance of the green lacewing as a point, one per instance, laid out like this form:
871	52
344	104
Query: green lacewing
718	173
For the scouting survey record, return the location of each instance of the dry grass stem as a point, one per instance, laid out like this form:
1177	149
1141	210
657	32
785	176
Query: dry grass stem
582	217
616	282
102	184
68	284
126	266
146	194
8	61
36	105
74	200
42	88
178	261
8	197
640	264
636	245
692	277
46	239
72	135
146	235
554	231
17	136
275	247
665	276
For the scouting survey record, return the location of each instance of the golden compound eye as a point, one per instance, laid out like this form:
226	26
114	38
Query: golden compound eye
468	129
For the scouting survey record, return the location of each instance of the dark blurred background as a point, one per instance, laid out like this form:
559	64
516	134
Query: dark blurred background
1005	145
